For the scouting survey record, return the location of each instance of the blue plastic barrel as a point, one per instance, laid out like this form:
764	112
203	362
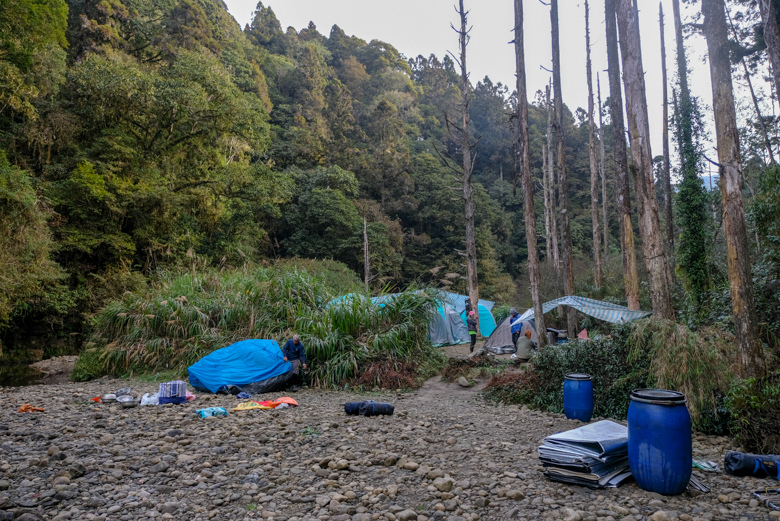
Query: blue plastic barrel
578	397
659	441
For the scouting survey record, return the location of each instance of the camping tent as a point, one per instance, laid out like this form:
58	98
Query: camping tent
255	364
595	308
487	324
447	328
459	301
502	336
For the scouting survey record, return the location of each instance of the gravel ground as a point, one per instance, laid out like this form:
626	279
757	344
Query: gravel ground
445	454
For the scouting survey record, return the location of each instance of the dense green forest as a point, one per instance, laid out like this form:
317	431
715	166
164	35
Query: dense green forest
138	136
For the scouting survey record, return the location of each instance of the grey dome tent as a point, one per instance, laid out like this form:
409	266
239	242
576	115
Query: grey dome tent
447	328
501	338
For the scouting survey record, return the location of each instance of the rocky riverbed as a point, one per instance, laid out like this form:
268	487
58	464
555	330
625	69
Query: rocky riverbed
444	455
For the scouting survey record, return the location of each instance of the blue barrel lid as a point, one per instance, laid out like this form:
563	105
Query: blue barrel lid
658	396
578	376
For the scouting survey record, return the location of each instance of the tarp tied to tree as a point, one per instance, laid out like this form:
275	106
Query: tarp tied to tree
606	311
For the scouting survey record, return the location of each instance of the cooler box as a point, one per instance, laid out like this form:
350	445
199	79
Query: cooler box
173	392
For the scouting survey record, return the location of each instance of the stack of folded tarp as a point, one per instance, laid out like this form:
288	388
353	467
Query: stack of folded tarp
595	455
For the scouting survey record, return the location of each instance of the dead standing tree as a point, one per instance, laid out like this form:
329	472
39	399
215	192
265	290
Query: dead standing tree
620	152
550	175
667	173
524	146
598	272
730	167
603	174
460	133
563	180
659	274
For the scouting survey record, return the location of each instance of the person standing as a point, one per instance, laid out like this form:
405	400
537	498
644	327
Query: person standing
295	353
516	328
471	321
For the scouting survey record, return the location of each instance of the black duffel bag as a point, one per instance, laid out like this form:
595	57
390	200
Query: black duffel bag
756	465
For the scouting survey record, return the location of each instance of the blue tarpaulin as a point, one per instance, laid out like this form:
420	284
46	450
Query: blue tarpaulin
242	363
596	308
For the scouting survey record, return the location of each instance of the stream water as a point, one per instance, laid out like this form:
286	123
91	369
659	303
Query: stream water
14	374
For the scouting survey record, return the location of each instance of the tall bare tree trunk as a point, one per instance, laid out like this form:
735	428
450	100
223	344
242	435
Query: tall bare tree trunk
598	271
466	148
630	276
603	174
659	274
667	173
525	165
366	258
772	38
556	257
547	238
563	176
737	251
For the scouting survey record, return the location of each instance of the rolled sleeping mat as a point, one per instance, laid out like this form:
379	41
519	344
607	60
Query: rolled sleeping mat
369	408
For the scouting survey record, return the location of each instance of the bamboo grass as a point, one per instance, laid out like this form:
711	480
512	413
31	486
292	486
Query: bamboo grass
185	316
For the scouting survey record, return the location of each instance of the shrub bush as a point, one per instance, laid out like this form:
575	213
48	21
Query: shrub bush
647	353
754	407
604	358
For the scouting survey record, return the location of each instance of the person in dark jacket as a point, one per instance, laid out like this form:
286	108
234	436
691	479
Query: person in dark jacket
471	321
516	329
295	353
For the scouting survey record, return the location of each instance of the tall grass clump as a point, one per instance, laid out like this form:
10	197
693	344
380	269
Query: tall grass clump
351	335
184	316
754	406
695	363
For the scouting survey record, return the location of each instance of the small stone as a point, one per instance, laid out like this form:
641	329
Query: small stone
452	440
515	495
481	502
723	498
160	467
411	465
570	514
443	484
406	515
660	516
170	507
463	382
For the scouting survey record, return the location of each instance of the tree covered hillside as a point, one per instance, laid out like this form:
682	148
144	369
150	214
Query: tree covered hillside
141	134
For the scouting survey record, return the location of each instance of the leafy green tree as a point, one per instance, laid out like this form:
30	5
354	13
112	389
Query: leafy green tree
32	39
27	271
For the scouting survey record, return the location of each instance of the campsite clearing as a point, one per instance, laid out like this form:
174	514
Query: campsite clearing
445	454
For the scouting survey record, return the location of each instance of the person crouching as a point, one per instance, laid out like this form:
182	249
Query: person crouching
525	347
295	354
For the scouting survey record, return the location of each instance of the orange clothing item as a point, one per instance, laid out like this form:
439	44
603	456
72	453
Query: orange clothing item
284	399
29	408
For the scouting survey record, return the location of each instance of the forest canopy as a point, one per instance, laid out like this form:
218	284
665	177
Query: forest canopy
140	135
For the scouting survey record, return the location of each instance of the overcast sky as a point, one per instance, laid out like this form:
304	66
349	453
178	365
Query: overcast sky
417	27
